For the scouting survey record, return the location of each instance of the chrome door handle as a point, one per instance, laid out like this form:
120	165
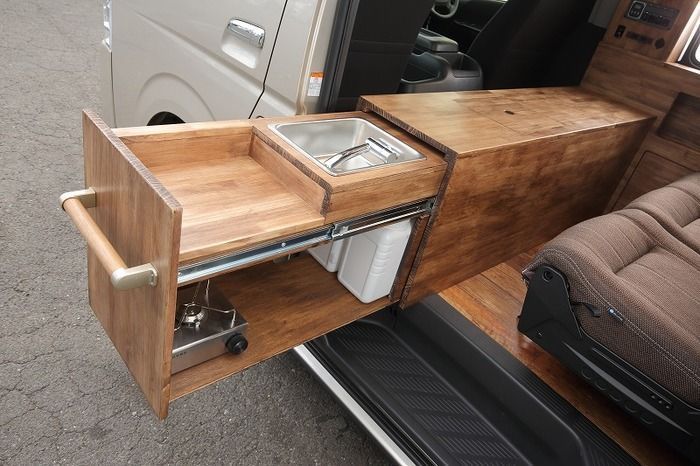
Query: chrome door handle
246	31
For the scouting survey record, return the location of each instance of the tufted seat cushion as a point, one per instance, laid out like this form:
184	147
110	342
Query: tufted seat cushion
677	208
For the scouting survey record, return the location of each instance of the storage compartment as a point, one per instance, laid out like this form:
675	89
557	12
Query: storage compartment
285	304
170	206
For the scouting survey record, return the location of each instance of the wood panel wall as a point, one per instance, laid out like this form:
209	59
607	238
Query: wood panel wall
648	77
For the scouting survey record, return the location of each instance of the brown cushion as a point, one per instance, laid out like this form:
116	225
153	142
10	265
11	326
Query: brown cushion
628	262
677	208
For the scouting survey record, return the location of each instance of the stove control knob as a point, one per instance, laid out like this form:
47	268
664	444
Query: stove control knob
236	344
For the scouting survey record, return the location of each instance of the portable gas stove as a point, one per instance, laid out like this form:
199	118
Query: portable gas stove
206	326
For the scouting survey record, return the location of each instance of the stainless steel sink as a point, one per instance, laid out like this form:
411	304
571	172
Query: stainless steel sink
346	145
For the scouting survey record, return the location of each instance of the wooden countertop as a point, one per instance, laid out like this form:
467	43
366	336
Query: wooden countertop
462	123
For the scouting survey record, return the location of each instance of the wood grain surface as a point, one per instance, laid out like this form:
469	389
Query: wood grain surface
462	123
651	82
653	172
682	122
241	185
187	142
285	305
493	301
232	204
504	201
142	221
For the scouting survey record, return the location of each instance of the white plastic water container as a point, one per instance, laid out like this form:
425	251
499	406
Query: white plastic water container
329	254
371	260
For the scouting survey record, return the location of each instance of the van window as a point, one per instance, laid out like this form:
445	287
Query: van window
691	54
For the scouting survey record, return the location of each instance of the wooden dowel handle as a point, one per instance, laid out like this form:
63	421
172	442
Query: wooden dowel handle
96	240
75	204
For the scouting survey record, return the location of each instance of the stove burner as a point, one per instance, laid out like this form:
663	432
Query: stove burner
206	325
191	315
196	309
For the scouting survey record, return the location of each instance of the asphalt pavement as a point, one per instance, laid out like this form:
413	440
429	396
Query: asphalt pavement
65	395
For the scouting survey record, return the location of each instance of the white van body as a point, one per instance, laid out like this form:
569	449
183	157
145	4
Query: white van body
182	57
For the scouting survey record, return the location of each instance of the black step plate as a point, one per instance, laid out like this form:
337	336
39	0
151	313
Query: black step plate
448	394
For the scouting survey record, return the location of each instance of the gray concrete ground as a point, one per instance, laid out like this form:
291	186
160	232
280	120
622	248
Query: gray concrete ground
65	395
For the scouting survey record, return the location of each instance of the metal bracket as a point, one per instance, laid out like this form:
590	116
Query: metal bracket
134	277
206	269
86	197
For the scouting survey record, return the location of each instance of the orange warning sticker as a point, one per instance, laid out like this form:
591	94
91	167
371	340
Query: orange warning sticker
315	81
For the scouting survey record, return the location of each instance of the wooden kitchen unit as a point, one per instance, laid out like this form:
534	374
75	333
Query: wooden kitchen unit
195	201
523	165
503	171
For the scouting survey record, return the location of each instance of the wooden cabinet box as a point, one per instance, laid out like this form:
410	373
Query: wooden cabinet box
171	205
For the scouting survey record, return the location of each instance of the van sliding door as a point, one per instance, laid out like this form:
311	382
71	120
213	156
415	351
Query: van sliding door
198	60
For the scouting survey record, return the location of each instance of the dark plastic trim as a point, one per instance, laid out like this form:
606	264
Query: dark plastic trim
529	416
548	319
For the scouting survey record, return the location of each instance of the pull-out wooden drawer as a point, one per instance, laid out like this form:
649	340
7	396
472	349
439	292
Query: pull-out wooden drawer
187	202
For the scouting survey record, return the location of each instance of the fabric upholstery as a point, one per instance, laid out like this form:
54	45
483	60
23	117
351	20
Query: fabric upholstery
677	208
627	261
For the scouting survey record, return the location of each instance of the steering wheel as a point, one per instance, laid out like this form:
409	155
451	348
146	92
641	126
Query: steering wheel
451	6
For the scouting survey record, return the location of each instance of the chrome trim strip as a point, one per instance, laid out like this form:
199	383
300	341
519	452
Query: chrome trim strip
392	449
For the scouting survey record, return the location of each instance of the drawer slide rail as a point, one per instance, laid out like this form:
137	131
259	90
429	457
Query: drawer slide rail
218	265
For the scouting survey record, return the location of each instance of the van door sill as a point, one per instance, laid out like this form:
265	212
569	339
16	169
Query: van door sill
443	392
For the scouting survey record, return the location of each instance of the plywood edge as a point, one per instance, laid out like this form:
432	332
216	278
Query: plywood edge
409	297
364	104
286	151
182	130
93	118
288	174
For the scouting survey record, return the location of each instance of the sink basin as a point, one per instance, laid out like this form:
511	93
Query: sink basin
346	145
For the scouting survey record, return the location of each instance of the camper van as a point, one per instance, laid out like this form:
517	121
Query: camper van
476	221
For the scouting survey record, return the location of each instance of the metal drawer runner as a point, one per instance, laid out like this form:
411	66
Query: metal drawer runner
216	266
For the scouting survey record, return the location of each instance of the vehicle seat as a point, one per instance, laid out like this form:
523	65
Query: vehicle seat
677	208
628	262
516	45
617	299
